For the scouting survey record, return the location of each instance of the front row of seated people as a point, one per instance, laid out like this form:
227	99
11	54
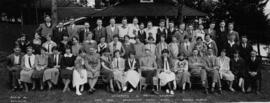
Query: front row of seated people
124	74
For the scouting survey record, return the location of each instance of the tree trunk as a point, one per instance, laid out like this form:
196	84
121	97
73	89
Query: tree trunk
54	12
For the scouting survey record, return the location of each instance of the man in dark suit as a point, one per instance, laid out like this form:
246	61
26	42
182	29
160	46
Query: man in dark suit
99	31
73	29
85	32
141	33
58	33
14	67
54	62
245	48
111	30
161	31
221	36
254	73
211	31
171	32
231	31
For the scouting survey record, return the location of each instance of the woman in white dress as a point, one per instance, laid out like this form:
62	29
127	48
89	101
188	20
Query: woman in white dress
79	73
166	76
28	64
118	65
181	72
225	72
132	73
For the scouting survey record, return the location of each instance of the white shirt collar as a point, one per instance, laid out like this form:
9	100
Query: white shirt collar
67	55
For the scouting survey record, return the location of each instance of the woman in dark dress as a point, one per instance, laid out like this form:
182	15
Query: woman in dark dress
106	69
67	68
239	69
36	44
65	43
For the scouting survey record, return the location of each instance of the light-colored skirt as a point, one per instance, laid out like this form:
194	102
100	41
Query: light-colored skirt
133	77
226	75
119	76
25	76
79	78
51	74
166	77
182	77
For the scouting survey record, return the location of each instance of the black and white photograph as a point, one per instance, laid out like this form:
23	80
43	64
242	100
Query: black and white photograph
134	51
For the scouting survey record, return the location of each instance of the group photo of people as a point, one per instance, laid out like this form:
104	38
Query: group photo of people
131	55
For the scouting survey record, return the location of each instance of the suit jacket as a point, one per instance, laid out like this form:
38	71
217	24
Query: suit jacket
52	62
11	60
170	35
73	31
99	33
245	51
254	66
211	62
111	33
221	37
238	68
142	36
161	33
83	34
58	35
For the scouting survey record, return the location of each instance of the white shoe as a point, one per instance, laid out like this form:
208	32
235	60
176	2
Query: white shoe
124	88
167	91
131	90
78	93
172	93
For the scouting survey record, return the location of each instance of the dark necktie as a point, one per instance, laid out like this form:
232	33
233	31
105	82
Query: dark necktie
29	61
117	65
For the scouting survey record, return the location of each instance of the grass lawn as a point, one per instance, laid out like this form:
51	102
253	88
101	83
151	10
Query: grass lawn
101	96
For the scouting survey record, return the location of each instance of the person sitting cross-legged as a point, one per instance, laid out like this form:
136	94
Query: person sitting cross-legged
132	72
254	73
225	72
197	68
181	72
13	65
148	67
166	76
212	68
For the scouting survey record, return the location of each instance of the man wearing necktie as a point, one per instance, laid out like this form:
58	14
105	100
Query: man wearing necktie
99	31
212	68
245	48
51	74
28	61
